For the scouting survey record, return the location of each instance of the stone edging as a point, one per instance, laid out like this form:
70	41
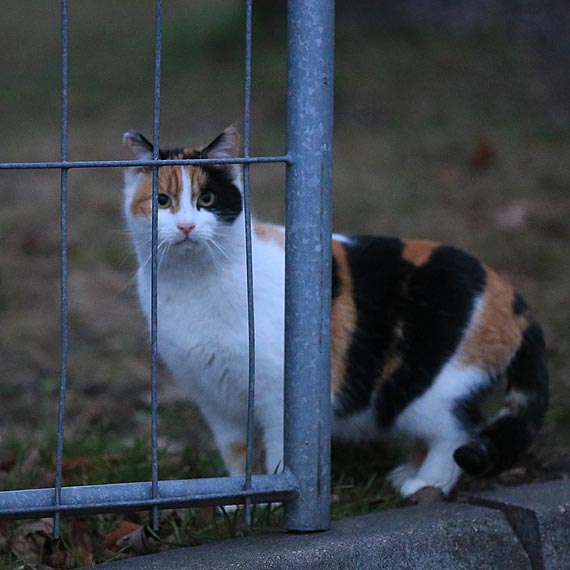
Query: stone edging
513	528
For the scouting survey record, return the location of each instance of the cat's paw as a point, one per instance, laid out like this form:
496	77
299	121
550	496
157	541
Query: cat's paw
412	486
399	475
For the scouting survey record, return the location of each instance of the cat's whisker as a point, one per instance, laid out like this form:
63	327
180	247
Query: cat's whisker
219	248
125	257
212	255
164	252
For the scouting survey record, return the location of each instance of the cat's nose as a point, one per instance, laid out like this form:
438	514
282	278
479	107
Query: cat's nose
186	228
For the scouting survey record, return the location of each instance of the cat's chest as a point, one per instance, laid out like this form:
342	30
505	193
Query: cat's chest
202	321
205	312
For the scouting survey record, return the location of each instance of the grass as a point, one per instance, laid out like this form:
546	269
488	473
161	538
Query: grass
413	113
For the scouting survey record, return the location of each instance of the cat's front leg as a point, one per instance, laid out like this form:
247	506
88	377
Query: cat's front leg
273	438
230	435
273	441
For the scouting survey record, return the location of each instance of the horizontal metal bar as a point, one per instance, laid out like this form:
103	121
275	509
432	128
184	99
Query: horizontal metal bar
90	499
128	163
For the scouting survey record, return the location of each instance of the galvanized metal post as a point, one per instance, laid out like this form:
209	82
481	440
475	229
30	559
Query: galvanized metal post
308	259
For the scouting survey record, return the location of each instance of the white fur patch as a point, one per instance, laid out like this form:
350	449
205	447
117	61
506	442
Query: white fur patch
342	238
431	419
202	317
431	415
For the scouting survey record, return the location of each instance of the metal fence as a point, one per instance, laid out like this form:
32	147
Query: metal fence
304	483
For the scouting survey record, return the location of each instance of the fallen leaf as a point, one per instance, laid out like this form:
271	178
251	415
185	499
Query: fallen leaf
140	542
31	540
482	156
427	496
121	529
85	540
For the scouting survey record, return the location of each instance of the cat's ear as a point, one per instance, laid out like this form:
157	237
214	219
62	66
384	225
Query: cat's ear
225	145
138	146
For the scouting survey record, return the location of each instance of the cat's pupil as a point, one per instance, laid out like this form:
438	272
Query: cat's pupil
206	199
163	199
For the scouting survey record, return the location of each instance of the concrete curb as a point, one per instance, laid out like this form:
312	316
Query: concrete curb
526	527
540	516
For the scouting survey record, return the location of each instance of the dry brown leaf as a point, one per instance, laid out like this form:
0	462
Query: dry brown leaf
139	542
62	558
30	540
427	496
482	155
121	529
85	540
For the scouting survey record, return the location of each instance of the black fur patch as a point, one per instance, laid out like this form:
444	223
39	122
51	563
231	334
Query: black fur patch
436	308
468	410
519	305
179	153
376	269
228	204
507	437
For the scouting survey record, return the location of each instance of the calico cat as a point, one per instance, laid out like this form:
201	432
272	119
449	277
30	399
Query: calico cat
421	332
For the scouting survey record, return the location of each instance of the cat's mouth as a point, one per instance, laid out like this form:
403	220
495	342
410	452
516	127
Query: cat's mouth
185	242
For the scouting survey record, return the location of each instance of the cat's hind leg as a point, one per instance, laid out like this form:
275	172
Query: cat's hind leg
438	470
433	418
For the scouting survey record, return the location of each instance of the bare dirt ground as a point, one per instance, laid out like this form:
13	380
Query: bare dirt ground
461	140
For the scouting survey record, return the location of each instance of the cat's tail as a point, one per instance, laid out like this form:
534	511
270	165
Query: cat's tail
499	444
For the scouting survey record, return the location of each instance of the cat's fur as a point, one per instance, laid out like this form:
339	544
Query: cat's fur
420	331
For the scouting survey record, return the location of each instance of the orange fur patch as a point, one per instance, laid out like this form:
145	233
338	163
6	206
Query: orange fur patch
270	232
418	251
169	182
343	318
392	364
237	453
494	337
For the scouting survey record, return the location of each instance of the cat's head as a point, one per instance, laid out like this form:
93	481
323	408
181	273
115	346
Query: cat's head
199	207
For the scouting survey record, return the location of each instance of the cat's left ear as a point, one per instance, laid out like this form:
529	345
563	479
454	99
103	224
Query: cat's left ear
225	145
138	146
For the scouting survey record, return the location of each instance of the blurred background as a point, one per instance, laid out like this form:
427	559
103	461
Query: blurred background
451	123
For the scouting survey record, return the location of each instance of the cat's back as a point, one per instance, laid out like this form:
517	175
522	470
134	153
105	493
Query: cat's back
405	304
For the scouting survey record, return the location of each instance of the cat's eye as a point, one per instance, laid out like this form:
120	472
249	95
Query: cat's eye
206	199
164	201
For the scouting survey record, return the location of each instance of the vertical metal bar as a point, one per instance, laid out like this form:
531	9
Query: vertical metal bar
308	260
63	261
154	266
249	261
